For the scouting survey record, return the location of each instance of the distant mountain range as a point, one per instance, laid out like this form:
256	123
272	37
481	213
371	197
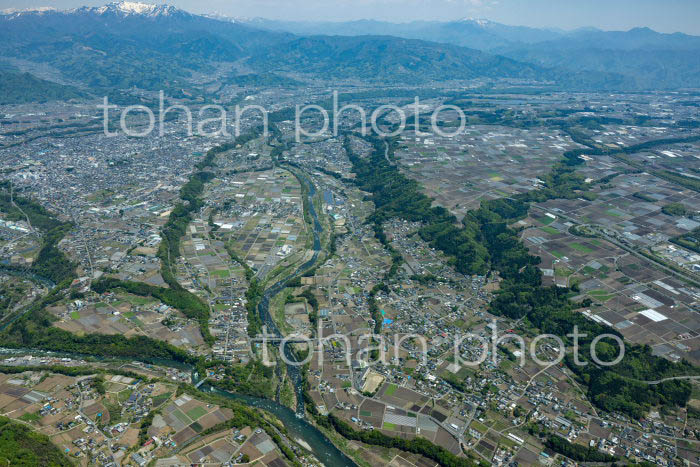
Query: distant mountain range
129	44
387	58
641	57
487	35
473	33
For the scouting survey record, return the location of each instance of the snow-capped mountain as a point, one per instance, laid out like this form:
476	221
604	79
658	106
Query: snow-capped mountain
126	19
67	19
147	45
11	11
128	43
114	8
477	33
221	17
478	21
138	8
132	8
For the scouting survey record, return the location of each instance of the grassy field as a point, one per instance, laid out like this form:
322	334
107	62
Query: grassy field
581	248
124	395
30	417
196	413
182	417
601	295
221	273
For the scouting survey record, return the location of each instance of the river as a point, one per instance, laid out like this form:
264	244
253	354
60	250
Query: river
297	428
294	421
293	371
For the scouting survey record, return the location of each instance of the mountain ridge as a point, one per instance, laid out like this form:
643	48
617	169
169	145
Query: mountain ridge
643	56
149	46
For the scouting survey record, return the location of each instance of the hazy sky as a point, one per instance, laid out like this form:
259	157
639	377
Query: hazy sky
661	15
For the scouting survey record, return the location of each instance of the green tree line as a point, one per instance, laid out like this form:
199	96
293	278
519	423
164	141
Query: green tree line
484	242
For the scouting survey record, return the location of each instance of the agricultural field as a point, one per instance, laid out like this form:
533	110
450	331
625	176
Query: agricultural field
122	313
263	220
485	162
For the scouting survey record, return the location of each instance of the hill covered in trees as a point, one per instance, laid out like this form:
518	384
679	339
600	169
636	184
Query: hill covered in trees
22	447
17	88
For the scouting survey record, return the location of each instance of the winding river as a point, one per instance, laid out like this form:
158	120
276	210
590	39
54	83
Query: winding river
293	371
297	428
294	421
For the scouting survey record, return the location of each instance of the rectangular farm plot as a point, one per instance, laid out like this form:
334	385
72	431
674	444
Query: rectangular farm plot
581	248
196	412
182	417
403	420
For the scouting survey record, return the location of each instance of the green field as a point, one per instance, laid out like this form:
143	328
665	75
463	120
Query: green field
505	441
124	395
139	301
134	319
563	272
480	427
601	295
581	247
182	417
196	412
196	427
389	426
391	390
30	417
549	230
157	400
75	315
